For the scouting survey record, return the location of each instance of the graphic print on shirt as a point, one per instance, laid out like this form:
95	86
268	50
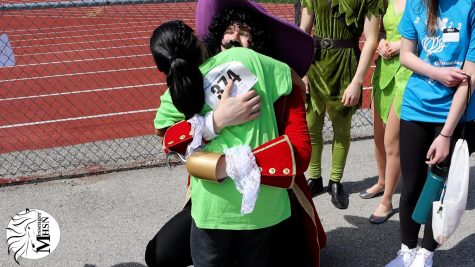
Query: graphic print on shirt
436	44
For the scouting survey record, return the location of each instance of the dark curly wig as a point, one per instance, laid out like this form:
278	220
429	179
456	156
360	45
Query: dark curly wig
259	40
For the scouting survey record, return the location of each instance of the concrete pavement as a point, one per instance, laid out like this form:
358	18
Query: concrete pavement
107	220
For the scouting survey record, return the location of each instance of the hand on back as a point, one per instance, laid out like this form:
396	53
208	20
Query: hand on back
236	110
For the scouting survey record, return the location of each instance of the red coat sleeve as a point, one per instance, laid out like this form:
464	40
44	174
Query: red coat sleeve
291	120
177	137
290	115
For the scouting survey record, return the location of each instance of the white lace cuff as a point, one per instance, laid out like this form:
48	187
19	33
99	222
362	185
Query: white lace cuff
242	168
197	124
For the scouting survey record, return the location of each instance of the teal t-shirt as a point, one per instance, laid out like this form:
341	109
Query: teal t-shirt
424	99
217	206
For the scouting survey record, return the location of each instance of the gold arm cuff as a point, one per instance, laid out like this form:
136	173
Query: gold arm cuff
205	165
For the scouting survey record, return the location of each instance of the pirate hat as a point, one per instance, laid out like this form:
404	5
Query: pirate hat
289	43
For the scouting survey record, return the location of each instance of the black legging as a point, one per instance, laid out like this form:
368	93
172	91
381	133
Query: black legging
170	247
415	140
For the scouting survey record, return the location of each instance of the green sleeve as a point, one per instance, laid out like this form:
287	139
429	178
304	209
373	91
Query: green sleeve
307	4
167	114
374	7
277	77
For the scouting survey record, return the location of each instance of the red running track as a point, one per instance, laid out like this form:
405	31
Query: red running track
81	74
84	74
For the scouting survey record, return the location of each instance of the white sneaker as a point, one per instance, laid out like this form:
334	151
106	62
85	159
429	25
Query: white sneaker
423	258
404	258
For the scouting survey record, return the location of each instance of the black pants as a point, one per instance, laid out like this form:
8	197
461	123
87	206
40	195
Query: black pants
171	245
415	140
219	248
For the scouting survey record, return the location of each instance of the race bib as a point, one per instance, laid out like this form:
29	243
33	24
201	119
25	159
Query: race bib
217	79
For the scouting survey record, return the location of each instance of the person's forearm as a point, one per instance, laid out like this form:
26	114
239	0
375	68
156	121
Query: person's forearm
365	61
367	53
411	61
414	63
459	101
395	47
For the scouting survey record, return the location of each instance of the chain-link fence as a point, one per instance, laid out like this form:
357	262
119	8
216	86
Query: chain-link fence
79	88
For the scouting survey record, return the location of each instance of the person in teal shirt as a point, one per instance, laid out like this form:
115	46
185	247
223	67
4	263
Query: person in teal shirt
216	206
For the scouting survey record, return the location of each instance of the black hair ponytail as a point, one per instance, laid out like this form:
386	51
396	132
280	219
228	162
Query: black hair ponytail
178	53
185	82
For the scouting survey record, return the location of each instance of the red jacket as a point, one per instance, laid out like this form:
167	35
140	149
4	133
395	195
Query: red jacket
285	170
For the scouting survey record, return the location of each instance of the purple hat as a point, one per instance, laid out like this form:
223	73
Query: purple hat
289	43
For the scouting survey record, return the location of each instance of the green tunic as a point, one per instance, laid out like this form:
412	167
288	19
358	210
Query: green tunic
334	69
389	78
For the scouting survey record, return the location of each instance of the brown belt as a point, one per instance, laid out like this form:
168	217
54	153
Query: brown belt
327	43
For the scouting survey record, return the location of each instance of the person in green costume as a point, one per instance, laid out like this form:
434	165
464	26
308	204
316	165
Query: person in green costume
389	81
334	82
223	219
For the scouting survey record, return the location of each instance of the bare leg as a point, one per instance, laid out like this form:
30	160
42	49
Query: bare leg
379	150
393	165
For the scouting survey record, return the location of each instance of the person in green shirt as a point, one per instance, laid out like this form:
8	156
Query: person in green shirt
216	209
300	238
335	79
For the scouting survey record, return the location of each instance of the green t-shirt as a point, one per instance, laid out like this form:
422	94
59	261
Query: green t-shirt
217	206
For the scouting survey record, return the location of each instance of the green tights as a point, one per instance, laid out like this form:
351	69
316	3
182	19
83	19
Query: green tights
341	124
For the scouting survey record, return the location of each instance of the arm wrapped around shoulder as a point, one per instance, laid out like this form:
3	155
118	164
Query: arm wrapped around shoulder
275	159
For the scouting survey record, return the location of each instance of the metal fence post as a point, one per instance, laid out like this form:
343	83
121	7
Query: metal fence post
298	10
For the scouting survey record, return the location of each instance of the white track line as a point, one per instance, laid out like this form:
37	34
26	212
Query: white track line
97	12
74	74
142	23
81	50
62	17
80	36
81	16
86	42
83	91
77	118
81	26
81	60
96	28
